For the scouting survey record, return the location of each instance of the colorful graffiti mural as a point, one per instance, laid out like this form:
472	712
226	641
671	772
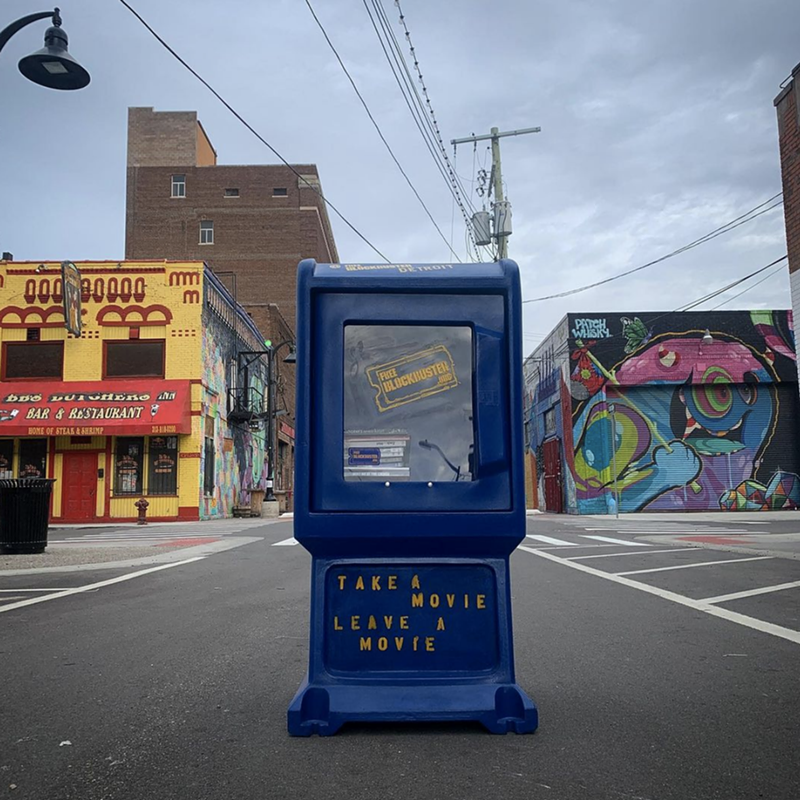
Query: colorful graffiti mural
240	454
670	420
665	416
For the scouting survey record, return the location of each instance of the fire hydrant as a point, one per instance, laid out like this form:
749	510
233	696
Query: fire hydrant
142	506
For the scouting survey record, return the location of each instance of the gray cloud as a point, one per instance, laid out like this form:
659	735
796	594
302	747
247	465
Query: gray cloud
657	120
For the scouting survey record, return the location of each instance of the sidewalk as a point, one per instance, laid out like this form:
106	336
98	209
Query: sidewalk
123	545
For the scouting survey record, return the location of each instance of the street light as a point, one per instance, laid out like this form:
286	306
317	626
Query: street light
52	66
291	358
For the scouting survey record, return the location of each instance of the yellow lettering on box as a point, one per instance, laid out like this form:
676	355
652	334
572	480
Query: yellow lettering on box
416	600
336	625
398	642
342	579
415	642
434	600
415	582
372	624
366	643
466	601
387	621
404	623
355	623
481	601
360	583
392	581
451	598
383	643
376	583
429	644
440	624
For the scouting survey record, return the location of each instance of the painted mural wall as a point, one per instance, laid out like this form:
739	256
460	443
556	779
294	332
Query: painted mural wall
664	419
546	407
239	452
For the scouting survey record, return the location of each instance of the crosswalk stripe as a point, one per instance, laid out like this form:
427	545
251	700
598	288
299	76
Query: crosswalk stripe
616	541
286	543
551	540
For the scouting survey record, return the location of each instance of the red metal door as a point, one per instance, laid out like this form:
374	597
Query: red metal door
79	486
553	495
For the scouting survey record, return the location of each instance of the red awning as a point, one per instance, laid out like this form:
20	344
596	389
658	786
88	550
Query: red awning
94	408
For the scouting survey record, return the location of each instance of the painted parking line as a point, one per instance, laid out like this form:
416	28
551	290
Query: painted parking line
286	543
699	605
699	564
99	585
724	598
623	542
622	555
551	540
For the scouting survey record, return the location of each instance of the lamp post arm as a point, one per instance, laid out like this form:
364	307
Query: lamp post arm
11	29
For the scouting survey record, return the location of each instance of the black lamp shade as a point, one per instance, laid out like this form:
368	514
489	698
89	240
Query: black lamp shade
53	66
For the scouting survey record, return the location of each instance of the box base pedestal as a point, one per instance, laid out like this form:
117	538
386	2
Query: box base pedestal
500	708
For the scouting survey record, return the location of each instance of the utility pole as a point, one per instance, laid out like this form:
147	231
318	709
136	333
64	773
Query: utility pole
501	207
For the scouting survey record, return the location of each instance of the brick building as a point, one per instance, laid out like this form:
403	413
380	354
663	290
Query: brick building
683	411
787	105
152	399
251	224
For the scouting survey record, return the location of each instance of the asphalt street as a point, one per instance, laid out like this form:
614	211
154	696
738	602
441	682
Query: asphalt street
663	668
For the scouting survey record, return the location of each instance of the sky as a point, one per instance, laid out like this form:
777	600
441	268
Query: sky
657	119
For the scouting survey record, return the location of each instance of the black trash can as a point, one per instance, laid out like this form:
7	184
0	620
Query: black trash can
24	514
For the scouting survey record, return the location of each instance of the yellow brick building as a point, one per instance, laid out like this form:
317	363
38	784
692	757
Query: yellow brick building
153	399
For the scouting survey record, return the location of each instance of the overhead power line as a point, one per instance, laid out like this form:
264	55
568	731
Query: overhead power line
252	130
405	82
699	301
378	128
769	275
724	289
727	227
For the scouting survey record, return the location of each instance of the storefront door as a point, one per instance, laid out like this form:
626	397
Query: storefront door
79	490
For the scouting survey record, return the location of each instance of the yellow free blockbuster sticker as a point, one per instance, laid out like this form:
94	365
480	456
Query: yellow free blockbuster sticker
412	377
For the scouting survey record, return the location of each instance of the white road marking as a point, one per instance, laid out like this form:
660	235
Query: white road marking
700	564
551	540
286	543
624	542
622	555
698	605
91	586
724	598
4	591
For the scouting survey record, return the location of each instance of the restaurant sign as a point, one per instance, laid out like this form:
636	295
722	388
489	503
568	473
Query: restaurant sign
94	408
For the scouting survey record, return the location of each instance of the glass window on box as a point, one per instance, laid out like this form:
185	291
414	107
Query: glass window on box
32	458
408	403
162	477
6	458
128	460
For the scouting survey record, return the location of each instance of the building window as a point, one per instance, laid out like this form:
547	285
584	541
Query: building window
281	192
231	193
128	465
162	476
32	360
32	458
33	334
178	186
6	458
208	453
549	422
142	358
206	232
